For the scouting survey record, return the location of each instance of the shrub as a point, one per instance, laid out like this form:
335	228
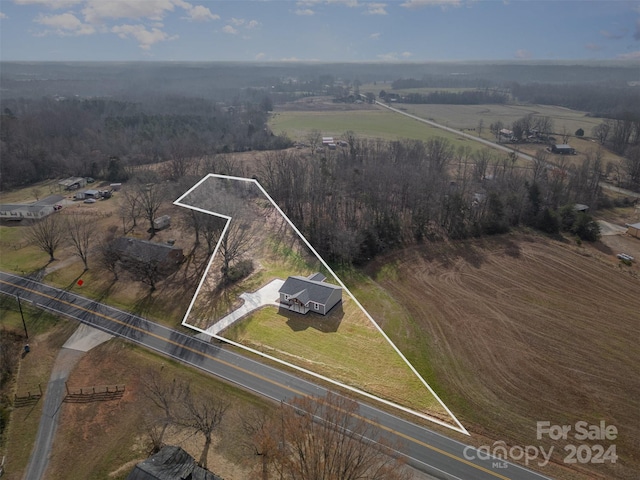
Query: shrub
239	271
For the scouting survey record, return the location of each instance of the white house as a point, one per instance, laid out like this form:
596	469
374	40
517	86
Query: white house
312	293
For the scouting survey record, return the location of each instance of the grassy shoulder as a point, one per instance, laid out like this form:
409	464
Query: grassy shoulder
46	335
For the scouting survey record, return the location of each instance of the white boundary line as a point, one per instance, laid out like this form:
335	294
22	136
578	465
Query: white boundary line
178	202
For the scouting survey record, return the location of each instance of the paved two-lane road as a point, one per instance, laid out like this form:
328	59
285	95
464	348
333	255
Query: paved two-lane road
426	450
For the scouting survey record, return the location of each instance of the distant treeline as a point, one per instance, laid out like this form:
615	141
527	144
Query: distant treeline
600	100
466	97
48	137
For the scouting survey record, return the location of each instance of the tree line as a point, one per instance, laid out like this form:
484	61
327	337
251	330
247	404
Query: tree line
373	196
466	97
46	138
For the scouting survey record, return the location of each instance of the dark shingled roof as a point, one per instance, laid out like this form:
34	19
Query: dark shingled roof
170	463
143	250
305	289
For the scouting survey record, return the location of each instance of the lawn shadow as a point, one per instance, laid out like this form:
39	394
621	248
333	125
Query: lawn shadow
601	247
299	322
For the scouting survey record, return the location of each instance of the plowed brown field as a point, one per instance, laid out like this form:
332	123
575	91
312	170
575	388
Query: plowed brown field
519	329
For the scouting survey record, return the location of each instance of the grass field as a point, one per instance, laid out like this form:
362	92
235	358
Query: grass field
365	123
466	117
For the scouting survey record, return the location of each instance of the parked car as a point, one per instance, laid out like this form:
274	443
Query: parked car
90	200
624	256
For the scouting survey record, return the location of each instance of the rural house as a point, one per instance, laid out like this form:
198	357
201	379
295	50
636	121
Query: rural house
131	251
301	294
170	463
31	211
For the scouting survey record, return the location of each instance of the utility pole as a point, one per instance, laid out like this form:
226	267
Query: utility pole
22	316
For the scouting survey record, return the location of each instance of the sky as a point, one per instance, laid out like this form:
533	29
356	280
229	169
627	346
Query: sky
319	30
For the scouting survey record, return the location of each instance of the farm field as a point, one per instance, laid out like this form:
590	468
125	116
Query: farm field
378	123
466	117
520	329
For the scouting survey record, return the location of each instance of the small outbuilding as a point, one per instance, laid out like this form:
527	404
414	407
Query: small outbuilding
73	183
563	149
162	222
633	229
302	294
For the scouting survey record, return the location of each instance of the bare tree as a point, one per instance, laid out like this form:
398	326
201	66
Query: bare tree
108	256
164	395
631	166
540	163
130	207
203	415
47	234
235	243
150	198
315	139
601	132
326	439
80	229
260	441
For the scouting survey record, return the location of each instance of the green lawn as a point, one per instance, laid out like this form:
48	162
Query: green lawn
344	346
365	123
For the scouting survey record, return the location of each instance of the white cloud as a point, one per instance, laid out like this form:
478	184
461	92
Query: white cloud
388	57
3	16
237	21
230	30
201	14
629	56
305	12
523	54
253	24
376	8
260	56
145	37
52	4
394	56
97	11
413	4
375	35
290	59
64	24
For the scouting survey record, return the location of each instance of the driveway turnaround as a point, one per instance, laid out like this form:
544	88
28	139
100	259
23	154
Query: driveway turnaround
267	295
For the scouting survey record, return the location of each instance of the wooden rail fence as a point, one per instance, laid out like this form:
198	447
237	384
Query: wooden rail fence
27	399
93	394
